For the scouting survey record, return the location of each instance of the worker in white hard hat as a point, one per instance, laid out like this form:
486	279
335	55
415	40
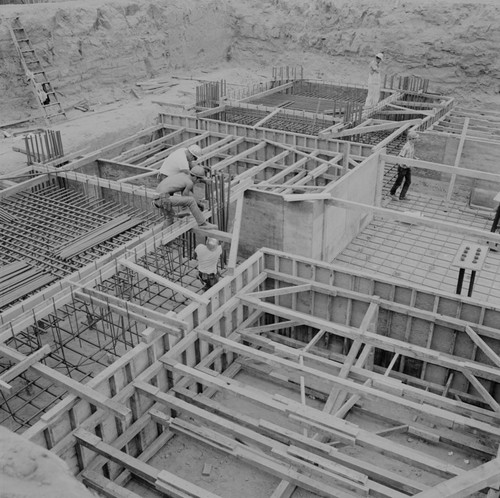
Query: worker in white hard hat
182	159
404	171
208	256
374	81
183	183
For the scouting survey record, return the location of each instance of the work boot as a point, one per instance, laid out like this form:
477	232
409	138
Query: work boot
394	197
208	226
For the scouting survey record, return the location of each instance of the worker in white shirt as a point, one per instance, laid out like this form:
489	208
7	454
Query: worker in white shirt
182	183
180	160
404	171
374	82
208	255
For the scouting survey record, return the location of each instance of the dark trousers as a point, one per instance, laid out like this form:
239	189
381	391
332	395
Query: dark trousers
208	279
403	174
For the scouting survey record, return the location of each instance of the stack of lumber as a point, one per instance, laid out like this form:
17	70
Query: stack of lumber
83	105
95	237
156	85
19	279
5	217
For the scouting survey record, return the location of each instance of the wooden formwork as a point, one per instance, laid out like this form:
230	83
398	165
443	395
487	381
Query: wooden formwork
332	349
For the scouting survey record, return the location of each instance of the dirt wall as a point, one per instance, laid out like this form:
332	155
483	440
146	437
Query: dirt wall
111	44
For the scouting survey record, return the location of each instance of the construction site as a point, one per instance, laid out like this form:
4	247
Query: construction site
351	345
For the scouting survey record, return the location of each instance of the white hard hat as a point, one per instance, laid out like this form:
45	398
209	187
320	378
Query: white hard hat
413	134
195	150
197	171
380	56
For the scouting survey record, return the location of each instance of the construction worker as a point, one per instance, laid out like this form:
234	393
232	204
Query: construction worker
404	172
208	255
180	160
374	81
181	182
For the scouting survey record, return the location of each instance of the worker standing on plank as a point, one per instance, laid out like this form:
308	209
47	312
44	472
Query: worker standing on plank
181	182
404	172
180	160
374	81
208	255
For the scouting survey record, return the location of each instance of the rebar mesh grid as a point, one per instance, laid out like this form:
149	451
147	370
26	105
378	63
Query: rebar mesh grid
281	121
55	215
86	337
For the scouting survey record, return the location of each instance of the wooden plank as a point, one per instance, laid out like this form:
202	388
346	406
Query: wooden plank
233	159
277	431
376	340
481	390
169	318
163	281
105	487
269	328
495	359
350	386
180	488
24	364
276	89
390	125
129	314
463	136
466	483
280	291
236	430
96	444
233	252
81	390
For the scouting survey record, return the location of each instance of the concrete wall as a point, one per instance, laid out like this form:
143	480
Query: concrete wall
313	229
341	226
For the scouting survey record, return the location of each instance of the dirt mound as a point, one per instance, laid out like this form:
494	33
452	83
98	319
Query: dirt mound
27	470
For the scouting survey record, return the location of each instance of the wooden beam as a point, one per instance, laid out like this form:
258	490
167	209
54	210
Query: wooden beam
290	436
276	89
266	118
233	159
463	136
128	313
238	216
105	487
495	359
481	390
80	390
376	340
163	281
466	483
390	125
305	154
281	291
370	315
315	419
392	136
24	364
272	327
442	168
